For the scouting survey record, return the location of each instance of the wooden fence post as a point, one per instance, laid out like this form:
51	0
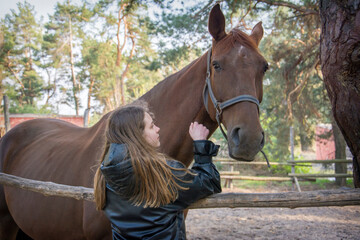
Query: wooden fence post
295	180
86	117
6	113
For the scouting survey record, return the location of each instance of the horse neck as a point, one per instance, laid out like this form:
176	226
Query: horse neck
96	133
176	102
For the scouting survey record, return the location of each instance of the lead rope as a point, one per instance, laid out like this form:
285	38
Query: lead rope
267	160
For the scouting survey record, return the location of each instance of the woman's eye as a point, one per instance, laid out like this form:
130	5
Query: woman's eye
216	66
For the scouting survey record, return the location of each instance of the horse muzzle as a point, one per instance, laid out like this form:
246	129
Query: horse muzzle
244	145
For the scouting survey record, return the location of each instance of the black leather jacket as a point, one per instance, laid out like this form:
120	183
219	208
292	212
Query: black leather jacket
165	222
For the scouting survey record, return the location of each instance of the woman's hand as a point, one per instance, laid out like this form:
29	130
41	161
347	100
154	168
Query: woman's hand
198	131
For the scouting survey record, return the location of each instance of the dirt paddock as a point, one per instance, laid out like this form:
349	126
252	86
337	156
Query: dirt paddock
318	223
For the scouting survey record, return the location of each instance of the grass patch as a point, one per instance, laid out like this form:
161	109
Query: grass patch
270	186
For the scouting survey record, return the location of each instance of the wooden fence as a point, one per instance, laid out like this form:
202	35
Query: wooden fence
231	175
222	200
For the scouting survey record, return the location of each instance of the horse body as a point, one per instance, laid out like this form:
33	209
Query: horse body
56	151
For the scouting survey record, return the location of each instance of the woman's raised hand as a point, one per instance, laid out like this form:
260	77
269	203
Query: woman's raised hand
198	131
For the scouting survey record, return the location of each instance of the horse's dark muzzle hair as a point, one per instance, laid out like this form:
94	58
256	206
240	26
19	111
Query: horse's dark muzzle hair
244	148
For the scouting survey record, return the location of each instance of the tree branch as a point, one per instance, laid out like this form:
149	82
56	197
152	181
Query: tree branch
119	46
16	77
222	200
297	89
302	9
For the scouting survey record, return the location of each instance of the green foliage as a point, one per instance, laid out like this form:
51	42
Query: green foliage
94	119
63	34
98	65
154	40
19	57
319	184
219	139
280	170
31	109
182	31
294	94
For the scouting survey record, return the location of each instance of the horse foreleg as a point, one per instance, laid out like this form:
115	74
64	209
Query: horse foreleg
96	226
8	227
22	236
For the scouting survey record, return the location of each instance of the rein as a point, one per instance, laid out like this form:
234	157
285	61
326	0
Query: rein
220	106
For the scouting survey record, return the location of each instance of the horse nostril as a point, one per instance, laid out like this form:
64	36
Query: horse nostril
235	136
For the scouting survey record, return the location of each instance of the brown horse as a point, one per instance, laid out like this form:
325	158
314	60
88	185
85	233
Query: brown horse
56	151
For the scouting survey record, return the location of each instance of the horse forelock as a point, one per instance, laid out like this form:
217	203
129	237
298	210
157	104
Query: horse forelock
233	37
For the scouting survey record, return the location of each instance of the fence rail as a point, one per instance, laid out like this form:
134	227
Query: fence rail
231	161
254	178
222	200
321	161
231	175
321	175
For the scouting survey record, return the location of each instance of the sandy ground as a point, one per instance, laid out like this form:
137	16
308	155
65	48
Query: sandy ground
321	223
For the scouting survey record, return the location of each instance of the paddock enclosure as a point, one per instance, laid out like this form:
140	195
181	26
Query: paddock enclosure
56	152
243	214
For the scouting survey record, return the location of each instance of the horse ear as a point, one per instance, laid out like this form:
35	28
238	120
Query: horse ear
216	23
257	33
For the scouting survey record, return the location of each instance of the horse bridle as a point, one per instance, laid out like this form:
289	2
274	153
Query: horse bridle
220	106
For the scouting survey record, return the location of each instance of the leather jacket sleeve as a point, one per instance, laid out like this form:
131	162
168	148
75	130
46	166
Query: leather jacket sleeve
205	180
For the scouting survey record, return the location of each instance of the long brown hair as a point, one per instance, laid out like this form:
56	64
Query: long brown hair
156	181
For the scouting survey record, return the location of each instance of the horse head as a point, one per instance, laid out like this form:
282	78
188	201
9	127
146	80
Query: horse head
234	85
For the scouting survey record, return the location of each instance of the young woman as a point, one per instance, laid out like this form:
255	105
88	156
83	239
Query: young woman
142	193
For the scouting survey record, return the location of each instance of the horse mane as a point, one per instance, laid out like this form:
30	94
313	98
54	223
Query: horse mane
233	37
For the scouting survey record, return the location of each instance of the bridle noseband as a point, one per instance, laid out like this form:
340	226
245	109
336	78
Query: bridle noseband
220	106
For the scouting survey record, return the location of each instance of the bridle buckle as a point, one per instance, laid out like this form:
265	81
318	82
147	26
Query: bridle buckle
218	108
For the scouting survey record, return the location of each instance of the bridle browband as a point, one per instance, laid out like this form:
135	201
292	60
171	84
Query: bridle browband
220	106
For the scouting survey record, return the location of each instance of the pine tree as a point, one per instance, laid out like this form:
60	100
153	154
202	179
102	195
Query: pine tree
20	58
63	35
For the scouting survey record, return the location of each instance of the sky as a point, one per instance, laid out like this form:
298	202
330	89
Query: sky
42	7
45	7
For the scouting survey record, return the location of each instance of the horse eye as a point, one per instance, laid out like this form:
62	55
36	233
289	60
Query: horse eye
266	67
216	66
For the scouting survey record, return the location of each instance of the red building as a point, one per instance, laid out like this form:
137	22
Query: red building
15	119
325	145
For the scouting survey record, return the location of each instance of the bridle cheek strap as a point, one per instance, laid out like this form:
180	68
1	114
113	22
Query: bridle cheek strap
220	106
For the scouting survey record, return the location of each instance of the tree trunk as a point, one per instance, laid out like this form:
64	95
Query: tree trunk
340	153
92	81
119	85
123	75
340	61
74	81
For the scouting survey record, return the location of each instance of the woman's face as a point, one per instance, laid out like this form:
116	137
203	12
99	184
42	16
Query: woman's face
151	131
